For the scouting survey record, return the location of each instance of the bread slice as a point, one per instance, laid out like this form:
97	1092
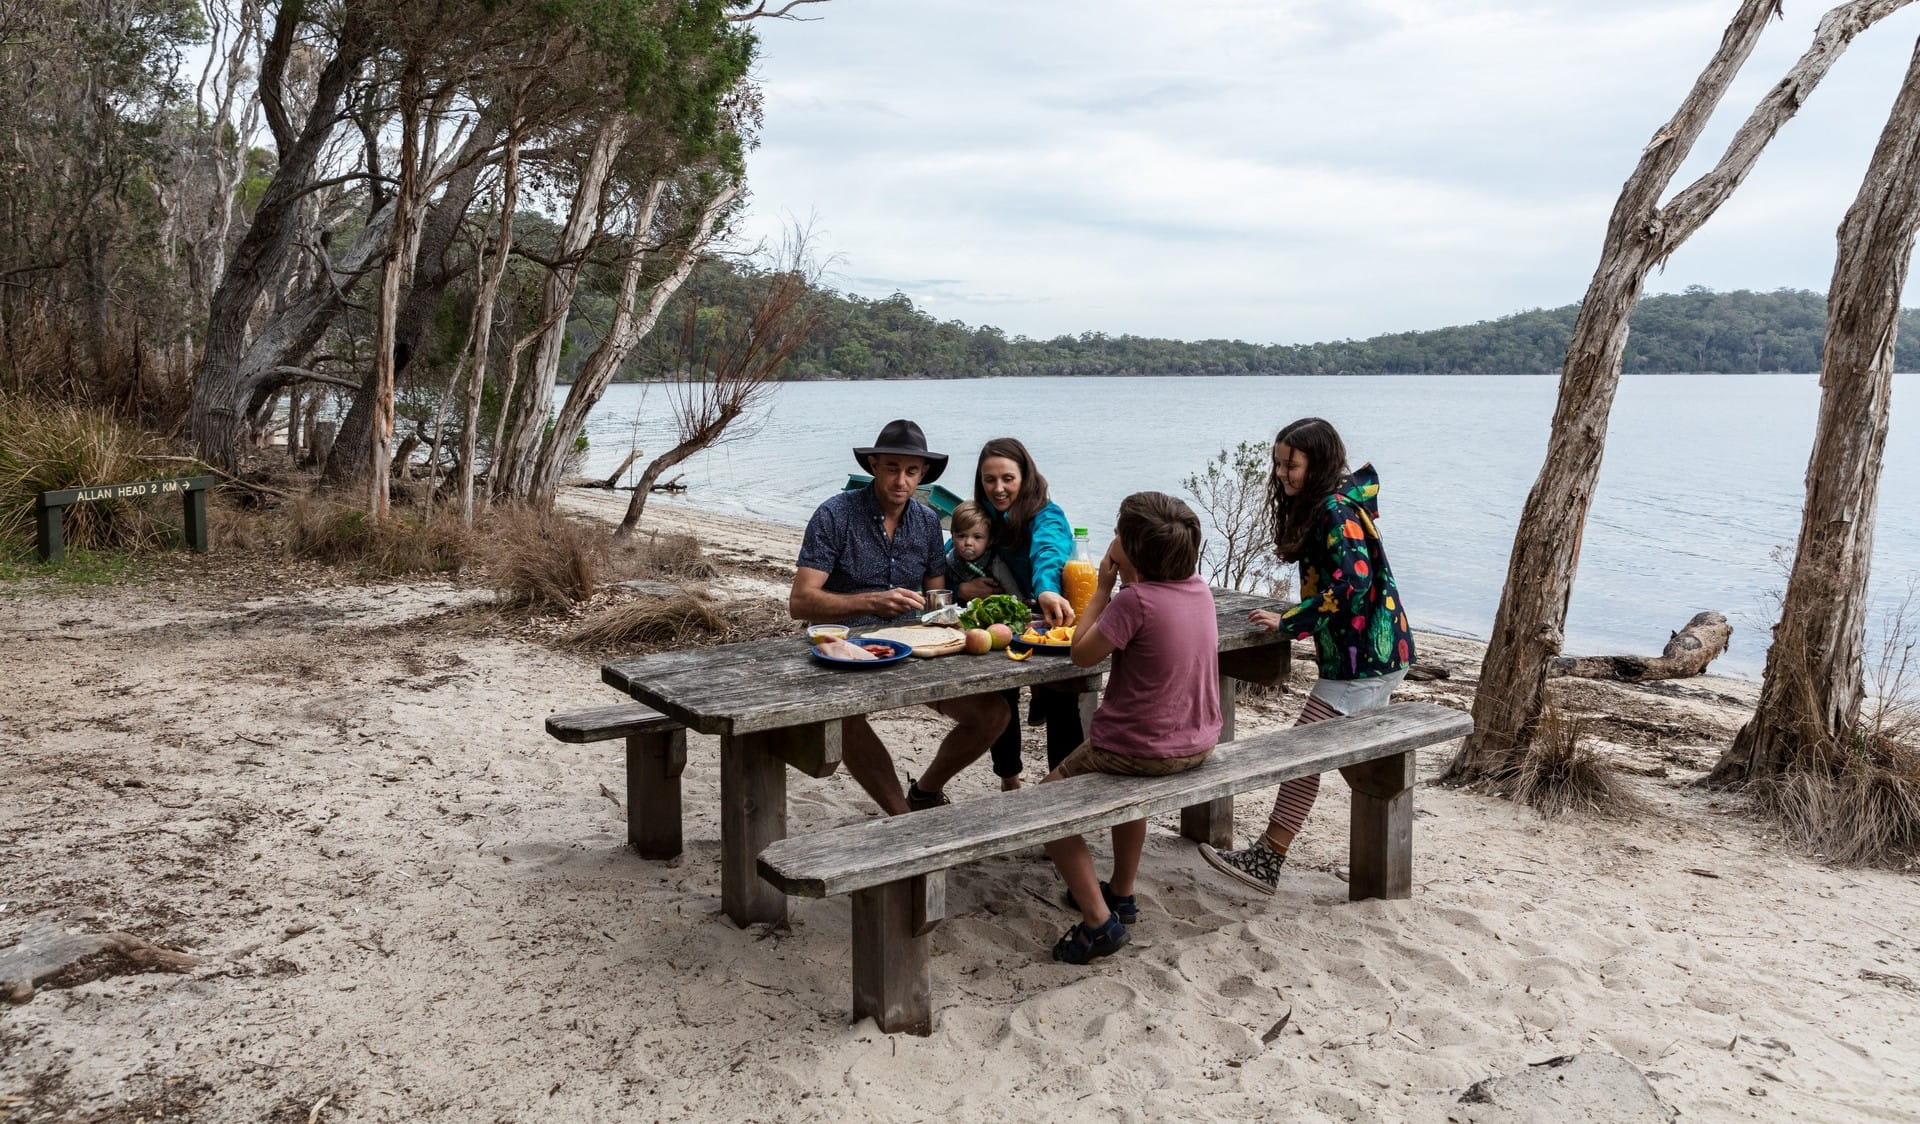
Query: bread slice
926	641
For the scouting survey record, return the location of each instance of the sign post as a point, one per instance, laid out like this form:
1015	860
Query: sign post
50	509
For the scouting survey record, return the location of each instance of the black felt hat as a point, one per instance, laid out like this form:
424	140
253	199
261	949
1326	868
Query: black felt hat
902	438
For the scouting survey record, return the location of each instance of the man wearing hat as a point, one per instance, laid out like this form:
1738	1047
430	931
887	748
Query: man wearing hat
866	557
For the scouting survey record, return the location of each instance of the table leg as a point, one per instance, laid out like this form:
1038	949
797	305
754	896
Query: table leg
892	970
1212	822
1382	832
655	761
753	813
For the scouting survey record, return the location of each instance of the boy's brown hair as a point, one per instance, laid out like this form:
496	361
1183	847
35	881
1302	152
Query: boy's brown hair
967	515
1161	536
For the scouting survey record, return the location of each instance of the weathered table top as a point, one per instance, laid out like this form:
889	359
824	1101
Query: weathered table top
773	684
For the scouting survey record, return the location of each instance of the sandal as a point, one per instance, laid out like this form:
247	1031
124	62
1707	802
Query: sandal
1125	908
1081	944
919	800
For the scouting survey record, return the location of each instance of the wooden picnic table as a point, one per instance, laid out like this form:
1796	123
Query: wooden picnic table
773	706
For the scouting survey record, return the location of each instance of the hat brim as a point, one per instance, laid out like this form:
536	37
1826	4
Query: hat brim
936	462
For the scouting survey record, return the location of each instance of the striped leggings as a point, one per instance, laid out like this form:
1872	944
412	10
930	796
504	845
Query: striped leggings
1296	797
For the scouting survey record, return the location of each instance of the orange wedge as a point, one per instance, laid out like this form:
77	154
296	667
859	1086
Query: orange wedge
1013	655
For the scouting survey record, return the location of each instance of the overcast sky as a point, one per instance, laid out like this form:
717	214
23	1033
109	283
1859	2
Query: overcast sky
1281	171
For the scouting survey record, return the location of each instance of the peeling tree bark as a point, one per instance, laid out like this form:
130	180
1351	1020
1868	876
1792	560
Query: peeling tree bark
1641	235
1814	685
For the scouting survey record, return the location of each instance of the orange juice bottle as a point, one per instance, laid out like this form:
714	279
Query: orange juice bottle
1080	577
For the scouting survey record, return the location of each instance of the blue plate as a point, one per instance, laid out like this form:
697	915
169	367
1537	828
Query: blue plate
900	652
1020	645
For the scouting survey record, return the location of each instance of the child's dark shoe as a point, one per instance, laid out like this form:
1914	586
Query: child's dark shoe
1082	944
1125	908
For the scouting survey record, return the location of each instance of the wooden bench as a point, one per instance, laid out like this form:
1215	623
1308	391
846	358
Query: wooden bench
895	868
656	756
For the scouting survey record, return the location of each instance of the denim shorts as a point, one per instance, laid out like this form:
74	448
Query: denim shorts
1357	696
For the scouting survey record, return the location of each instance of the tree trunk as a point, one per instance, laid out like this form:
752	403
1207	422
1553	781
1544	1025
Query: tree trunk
513	464
436	236
630	326
1688	652
693	443
216	418
1529	623
1811	694
481	335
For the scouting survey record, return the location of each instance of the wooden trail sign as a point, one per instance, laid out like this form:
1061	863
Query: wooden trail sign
50	509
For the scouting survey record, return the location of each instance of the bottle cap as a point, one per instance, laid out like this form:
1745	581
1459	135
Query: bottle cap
1079	530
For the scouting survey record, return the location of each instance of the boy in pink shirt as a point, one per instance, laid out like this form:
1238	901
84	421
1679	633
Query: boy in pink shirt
1160	713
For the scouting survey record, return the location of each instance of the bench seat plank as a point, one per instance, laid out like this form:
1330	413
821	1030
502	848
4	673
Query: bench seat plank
605	723
877	852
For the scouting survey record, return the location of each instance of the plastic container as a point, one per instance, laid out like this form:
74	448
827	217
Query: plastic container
1081	576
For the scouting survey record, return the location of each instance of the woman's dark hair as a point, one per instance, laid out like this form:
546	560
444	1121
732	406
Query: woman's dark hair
1161	536
1293	516
1017	530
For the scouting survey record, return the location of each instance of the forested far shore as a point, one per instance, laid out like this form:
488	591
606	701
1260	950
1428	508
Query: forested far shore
1698	331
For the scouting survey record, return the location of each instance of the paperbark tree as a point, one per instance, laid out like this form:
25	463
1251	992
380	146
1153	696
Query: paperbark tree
632	320
1814	685
1641	234
729	370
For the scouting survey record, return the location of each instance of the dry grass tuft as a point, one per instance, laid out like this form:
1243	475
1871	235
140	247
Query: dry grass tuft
651	621
326	530
1562	772
46	446
543	561
664	557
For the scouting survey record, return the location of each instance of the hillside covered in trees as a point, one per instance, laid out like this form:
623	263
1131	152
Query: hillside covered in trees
1698	331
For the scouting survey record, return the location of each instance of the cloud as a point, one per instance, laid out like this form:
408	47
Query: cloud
1277	170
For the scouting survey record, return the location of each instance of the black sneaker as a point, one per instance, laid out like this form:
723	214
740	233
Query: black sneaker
919	800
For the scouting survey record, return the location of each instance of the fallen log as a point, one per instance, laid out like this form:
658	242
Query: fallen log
673	485
43	951
1688	652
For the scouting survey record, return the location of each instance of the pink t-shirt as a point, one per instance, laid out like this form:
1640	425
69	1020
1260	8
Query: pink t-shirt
1163	695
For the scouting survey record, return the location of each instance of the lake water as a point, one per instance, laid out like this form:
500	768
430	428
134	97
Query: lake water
1702	483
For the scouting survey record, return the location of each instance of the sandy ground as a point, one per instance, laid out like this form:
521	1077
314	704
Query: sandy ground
412	904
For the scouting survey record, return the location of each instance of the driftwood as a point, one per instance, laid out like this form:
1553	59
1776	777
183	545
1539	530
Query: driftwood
45	950
673	485
1688	652
613	478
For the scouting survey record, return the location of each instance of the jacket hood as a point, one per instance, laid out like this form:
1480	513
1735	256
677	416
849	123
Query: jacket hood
1362	486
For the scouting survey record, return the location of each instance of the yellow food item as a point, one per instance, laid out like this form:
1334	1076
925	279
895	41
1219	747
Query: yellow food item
1013	655
1032	637
1061	635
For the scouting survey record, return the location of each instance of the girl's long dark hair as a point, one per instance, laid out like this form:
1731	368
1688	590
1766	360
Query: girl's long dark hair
1017	529
1293	517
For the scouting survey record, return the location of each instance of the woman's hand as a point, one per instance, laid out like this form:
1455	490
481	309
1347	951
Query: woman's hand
978	587
1268	621
1057	609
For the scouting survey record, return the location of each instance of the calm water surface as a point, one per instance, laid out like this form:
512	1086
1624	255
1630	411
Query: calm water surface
1702	482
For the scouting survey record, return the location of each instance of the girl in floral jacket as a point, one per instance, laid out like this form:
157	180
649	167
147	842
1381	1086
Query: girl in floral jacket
1323	519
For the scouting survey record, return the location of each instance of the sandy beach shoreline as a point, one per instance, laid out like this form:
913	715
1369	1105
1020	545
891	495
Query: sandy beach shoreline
411	903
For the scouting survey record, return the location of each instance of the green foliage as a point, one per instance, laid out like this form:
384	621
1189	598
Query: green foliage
996	608
1698	331
81	567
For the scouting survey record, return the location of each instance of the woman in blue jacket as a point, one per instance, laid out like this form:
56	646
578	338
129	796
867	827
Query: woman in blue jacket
1031	535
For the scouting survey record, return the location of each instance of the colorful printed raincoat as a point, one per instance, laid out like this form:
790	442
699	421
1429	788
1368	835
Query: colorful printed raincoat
1350	606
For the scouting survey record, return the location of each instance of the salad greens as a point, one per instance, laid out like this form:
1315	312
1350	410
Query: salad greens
996	608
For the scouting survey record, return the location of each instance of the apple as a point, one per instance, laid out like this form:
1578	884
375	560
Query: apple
1002	635
979	642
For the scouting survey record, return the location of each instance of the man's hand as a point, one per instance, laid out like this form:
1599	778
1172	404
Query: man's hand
894	602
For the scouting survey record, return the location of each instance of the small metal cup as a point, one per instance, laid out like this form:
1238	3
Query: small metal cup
939	598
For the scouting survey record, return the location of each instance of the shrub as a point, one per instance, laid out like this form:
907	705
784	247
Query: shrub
1562	772
327	530
544	561
47	446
